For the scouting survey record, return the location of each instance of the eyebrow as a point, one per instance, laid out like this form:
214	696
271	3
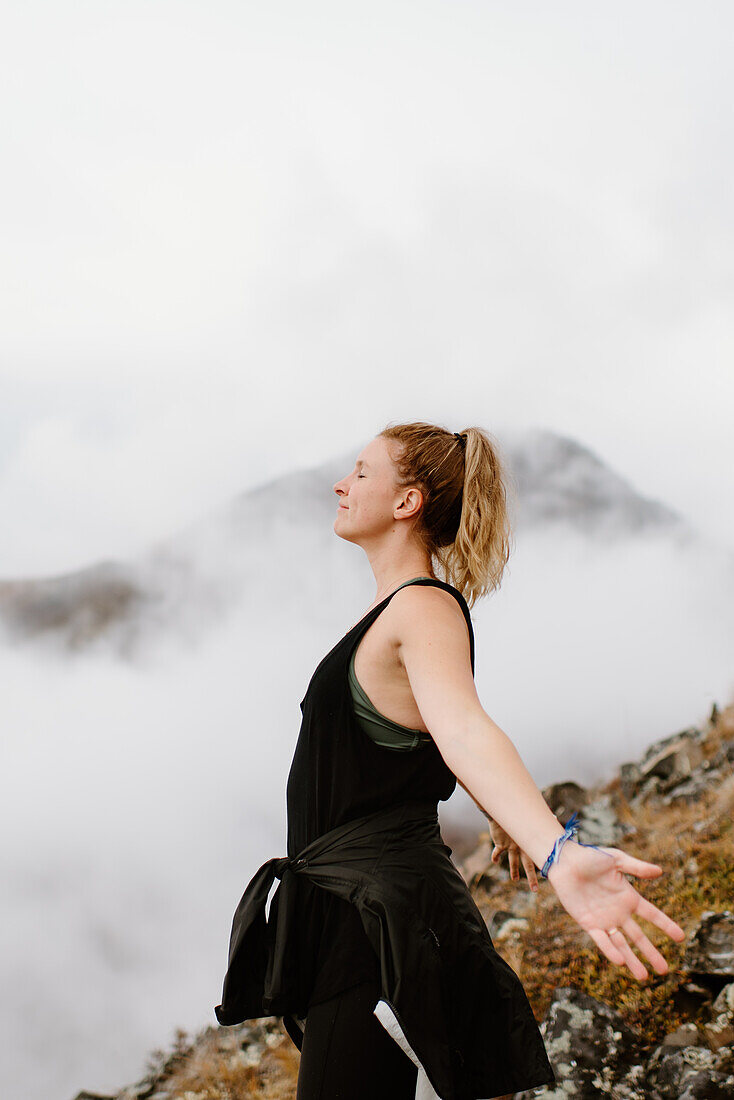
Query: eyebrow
359	462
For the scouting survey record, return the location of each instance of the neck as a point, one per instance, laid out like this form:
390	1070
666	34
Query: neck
391	571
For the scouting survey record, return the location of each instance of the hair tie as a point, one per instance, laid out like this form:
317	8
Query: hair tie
461	438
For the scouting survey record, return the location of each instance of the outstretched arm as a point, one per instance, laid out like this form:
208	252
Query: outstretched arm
433	645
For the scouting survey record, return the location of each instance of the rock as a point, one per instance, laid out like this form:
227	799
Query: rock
478	869
720	807
239	1045
592	1050
703	776
659	758
511	926
665	764
725	720
687	1035
690	998
707	1086
711	948
629	779
719	1030
524	903
695	1072
724	755
690	790
599	824
498	918
632	1086
565	799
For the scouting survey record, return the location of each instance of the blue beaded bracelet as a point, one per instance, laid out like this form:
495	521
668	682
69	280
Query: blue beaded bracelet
572	827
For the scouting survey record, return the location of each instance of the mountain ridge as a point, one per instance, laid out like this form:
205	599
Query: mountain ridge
193	576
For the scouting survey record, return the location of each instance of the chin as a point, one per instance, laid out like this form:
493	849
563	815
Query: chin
342	535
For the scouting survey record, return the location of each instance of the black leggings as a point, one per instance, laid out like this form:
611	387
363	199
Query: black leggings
348	1055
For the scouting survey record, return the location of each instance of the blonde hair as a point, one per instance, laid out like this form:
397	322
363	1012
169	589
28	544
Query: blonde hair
464	522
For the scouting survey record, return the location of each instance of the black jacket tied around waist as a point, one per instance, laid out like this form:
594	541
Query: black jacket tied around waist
460	1005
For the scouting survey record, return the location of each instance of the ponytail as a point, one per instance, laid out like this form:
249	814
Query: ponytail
464	523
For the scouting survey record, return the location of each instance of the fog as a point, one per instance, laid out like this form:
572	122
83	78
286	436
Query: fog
144	786
238	239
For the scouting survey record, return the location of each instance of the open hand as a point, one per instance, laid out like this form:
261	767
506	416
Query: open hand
591	886
504	843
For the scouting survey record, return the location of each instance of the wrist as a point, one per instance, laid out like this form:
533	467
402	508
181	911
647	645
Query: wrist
564	861
567	834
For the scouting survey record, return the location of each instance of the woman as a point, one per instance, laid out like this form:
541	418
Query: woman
373	950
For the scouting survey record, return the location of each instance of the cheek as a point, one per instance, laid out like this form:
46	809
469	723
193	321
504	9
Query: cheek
376	504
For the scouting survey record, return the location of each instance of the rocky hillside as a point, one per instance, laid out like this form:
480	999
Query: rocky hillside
669	1038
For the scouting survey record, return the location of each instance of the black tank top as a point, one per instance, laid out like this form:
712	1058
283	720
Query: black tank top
337	774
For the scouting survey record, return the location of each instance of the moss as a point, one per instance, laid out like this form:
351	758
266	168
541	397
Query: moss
698	875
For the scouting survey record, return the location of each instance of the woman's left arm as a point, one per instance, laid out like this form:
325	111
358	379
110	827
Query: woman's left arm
433	645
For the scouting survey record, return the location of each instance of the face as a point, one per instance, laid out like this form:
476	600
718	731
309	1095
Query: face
369	502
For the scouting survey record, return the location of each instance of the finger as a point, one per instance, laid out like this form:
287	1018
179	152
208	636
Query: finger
618	943
645	946
635	966
514	864
666	924
530	871
605	945
630	865
497	853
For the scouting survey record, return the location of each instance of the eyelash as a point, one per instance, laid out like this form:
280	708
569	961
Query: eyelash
361	475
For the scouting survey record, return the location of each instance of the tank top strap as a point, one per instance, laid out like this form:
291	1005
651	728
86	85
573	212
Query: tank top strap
433	582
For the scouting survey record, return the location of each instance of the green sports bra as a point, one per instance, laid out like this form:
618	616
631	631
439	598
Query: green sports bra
383	731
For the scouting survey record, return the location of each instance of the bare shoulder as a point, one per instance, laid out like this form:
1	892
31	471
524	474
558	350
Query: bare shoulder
427	612
432	645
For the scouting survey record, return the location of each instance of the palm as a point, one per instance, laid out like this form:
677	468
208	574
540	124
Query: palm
593	889
601	896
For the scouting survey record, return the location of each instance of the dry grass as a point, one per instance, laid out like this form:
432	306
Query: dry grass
698	875
216	1066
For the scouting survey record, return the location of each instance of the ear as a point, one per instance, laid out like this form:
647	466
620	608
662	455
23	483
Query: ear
410	505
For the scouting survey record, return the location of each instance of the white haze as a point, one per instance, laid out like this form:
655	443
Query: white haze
238	237
143	794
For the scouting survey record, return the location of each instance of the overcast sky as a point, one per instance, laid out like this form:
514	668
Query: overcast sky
240	237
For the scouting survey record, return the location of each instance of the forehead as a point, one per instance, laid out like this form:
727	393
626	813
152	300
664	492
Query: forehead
374	454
